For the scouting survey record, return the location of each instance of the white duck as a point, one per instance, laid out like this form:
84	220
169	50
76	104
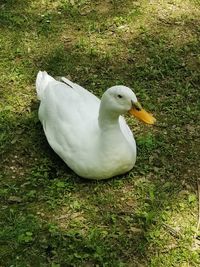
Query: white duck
88	134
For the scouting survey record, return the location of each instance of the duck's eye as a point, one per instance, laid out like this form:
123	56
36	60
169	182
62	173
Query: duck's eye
120	96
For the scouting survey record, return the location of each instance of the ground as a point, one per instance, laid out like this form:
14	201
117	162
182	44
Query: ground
148	217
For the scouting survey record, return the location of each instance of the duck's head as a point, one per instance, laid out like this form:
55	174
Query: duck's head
121	99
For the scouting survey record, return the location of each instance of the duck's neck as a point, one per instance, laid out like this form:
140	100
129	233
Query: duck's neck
108	119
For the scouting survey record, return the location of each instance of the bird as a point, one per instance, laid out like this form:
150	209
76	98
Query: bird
89	134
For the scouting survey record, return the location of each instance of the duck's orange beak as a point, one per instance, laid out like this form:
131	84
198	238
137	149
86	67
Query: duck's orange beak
141	114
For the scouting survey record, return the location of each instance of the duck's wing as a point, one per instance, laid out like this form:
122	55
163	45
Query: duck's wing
125	129
91	99
69	115
65	97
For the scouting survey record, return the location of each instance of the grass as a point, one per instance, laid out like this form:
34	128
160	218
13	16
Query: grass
148	217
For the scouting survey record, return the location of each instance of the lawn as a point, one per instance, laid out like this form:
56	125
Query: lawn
148	217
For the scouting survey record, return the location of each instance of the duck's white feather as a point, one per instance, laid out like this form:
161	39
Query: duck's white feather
79	134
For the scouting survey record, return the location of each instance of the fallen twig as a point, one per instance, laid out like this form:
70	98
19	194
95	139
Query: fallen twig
198	224
172	231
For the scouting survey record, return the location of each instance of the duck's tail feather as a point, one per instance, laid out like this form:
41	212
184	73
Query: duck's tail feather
42	80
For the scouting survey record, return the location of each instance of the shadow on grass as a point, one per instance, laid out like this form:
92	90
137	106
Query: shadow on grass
18	16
